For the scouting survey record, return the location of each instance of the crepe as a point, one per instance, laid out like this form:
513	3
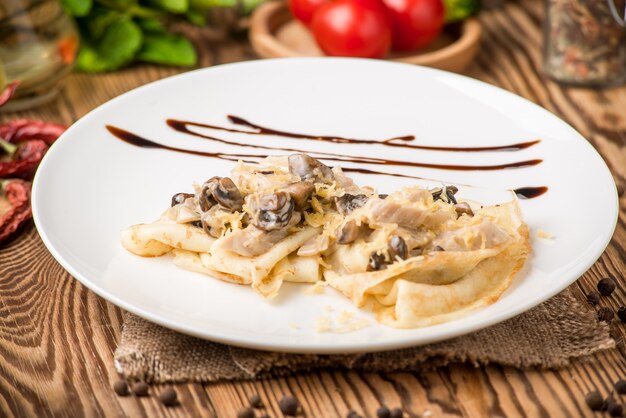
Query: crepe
417	257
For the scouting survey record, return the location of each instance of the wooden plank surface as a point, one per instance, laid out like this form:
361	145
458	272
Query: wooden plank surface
57	338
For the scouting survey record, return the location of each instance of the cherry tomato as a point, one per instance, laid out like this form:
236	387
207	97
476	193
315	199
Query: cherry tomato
352	28
414	23
303	10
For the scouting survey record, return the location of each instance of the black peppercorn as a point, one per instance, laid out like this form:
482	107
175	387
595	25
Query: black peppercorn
607	403
353	414
620	386
288	405
605	314
621	313
168	397
396	413
383	412
593	298
615	409
594	400
121	388
141	388
255	401
246	413
606	286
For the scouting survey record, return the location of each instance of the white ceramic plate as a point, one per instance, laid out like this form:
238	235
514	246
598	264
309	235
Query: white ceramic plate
91	185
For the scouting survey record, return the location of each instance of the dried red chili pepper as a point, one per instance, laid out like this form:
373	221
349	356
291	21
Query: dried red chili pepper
25	158
24	129
17	193
8	92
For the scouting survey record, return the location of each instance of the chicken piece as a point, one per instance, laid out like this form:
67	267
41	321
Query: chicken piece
408	210
252	241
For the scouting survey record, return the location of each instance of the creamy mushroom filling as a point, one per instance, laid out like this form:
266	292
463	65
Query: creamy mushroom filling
257	206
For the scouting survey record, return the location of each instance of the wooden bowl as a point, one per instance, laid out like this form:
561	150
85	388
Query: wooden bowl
275	34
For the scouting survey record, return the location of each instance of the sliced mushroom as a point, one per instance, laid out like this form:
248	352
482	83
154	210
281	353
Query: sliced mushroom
377	262
445	194
206	199
179	198
300	193
397	248
350	202
463	208
226	193
270	211
307	167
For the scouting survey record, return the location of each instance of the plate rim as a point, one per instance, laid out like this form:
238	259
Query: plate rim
322	348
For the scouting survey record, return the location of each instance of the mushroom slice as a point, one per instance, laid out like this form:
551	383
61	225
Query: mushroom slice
377	262
445	194
206	199
270	211
300	193
226	193
463	208
349	202
307	167
179	198
397	248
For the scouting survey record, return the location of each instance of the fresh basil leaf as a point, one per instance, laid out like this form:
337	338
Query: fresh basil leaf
99	21
173	6
150	25
117	47
77	7
246	5
167	48
207	4
88	60
120	42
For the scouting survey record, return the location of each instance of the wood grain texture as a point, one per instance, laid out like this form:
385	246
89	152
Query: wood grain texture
57	337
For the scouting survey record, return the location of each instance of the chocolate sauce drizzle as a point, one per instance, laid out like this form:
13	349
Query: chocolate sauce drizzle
530	192
183	127
146	143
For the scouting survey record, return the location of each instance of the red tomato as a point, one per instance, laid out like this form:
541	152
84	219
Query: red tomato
303	10
352	28
414	23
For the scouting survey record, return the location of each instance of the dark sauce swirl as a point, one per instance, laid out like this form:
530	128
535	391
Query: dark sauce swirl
183	127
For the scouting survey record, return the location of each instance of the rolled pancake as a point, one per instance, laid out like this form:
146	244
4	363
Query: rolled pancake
190	260
258	268
440	286
158	238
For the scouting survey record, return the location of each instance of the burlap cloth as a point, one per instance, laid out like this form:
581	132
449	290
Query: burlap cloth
548	336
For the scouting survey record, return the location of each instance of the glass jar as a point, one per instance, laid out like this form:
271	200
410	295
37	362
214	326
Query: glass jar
585	42
38	44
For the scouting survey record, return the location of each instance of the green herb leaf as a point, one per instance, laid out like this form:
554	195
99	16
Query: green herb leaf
99	21
151	25
167	48
77	7
173	6
117	47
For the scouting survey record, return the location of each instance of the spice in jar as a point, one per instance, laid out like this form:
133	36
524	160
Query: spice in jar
585	43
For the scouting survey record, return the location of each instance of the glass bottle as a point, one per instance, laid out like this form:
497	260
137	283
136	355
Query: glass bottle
585	42
38	45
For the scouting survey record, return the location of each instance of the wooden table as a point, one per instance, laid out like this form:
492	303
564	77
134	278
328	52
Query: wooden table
57	338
